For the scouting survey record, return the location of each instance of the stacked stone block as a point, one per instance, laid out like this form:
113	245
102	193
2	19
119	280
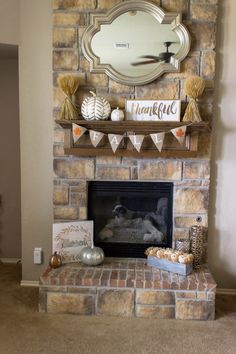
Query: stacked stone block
190	176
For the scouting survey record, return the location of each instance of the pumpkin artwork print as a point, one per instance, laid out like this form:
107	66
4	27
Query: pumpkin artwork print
70	238
95	108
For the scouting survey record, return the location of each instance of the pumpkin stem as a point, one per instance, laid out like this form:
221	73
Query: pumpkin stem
92	93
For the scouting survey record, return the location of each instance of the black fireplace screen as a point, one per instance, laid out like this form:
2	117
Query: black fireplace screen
130	216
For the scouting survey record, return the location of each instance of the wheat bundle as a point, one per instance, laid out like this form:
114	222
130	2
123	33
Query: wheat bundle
193	87
69	85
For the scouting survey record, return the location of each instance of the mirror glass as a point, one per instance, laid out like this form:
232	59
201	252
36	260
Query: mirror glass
135	42
132	43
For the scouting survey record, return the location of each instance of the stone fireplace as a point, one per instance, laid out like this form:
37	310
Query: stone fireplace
190	176
189	180
136	289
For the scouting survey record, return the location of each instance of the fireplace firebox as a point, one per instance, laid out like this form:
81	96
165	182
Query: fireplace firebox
130	216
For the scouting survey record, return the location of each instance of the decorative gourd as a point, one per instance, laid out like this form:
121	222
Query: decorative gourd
117	115
92	255
95	108
55	260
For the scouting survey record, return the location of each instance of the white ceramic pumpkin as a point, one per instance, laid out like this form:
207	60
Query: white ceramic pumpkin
95	108
117	115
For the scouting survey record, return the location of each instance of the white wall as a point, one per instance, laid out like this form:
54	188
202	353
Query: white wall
10	226
222	238
10	241
9	24
36	132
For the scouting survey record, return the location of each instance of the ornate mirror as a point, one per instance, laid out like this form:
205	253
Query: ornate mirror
135	42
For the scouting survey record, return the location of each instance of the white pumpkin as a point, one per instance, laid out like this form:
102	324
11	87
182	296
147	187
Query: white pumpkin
95	108
117	115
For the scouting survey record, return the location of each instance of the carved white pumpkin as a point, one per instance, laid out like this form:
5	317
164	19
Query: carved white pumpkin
95	108
117	115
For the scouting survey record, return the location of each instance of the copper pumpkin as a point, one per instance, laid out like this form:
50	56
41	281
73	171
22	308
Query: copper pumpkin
55	260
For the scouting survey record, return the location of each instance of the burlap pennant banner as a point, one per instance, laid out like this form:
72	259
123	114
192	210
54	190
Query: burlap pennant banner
137	141
77	131
115	140
158	139
95	137
179	133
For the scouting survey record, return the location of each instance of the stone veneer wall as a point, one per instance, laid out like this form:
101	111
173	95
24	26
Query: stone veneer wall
190	176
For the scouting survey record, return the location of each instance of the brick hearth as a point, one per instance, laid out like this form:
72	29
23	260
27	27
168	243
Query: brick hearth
127	287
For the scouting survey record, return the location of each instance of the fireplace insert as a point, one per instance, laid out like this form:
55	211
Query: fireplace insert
130	216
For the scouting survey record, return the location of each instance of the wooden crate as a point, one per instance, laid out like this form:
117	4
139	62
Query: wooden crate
174	267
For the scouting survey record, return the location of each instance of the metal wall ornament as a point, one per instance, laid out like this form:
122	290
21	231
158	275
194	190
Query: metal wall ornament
103	24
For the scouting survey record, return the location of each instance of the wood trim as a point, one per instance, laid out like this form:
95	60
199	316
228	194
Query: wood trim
129	153
135	126
222	291
10	260
33	283
67	138
194	141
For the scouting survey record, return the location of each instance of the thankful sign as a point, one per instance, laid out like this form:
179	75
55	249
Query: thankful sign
153	110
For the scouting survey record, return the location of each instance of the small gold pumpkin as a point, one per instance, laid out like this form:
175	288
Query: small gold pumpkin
95	108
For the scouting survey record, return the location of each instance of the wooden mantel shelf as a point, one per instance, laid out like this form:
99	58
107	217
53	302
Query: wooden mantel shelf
136	126
127	150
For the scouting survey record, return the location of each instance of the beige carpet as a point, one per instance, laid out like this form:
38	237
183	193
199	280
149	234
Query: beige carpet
25	331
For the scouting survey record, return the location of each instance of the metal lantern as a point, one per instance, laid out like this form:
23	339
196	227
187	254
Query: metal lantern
196	237
92	255
182	245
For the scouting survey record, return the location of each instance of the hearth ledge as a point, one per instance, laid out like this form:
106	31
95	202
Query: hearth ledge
127	287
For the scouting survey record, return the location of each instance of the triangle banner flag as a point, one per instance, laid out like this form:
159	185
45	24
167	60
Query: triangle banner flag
137	141
95	137
158	139
77	131
179	133
115	141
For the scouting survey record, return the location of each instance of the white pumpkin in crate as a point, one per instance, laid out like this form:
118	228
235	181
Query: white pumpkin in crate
95	108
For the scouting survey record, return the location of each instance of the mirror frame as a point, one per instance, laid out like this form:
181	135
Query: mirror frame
172	18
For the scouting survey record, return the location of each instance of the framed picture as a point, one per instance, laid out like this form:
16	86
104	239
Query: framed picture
153	110
70	237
